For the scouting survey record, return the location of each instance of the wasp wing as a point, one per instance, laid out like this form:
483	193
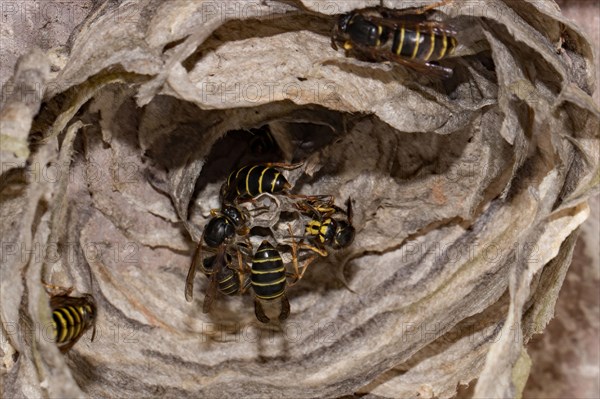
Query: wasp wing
423	67
211	292
392	20
189	281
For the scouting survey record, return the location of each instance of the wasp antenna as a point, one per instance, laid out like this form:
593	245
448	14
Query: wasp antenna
349	209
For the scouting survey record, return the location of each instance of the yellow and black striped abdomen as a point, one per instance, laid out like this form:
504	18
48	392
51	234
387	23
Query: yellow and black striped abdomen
68	324
253	180
229	281
423	45
268	273
71	317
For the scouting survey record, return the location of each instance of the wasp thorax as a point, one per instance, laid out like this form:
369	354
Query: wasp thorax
218	230
362	31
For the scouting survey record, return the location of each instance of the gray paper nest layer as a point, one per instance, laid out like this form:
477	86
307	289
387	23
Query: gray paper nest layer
468	194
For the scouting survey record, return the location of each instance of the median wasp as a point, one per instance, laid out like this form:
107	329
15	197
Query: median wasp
269	281
406	37
331	226
219	236
252	180
71	318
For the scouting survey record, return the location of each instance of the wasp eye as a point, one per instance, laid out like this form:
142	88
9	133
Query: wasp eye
343	22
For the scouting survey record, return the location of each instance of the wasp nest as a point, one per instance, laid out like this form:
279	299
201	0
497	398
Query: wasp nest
467	193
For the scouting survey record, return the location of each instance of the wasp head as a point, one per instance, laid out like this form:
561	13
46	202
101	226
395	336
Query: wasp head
340	30
344	235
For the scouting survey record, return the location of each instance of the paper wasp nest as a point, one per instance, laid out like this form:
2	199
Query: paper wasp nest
467	193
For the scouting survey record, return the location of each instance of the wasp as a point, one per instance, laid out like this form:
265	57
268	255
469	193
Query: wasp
71	318
326	229
331	226
268	279
405	36
218	236
252	180
229	279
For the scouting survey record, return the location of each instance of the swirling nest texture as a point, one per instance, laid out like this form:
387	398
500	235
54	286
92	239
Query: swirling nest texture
467	191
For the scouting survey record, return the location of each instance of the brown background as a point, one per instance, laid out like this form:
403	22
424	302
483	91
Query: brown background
566	359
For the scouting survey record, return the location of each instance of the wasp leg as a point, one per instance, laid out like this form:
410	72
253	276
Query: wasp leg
243	231
283	165
297	275
292	276
333	42
245	285
243	270
327	200
65	348
320	251
304	268
317	214
424	9
56	290
412	10
285	308
319	210
238	200
260	312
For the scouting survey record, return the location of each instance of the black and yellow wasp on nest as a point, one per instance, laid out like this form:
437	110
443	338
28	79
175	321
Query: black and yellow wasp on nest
71	316
330	226
234	266
405	36
221	237
269	280
251	181
226	232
